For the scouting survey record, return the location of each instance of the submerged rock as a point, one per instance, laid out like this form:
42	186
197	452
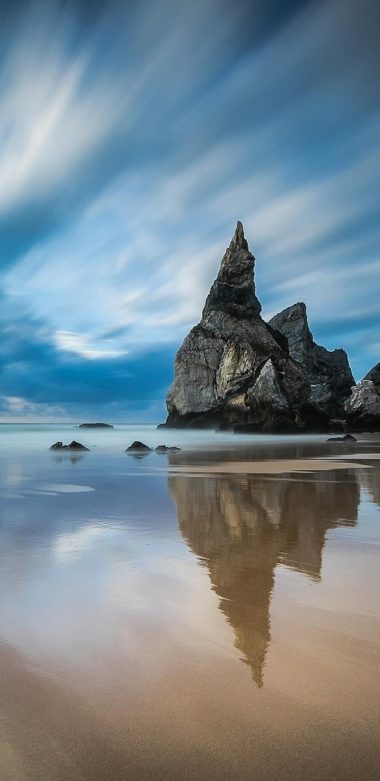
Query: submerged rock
235	370
344	438
138	447
167	449
72	446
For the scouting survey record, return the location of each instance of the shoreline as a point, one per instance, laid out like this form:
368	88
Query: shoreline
271	466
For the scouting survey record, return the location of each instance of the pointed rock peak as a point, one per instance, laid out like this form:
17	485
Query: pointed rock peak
300	308
239	239
292	323
293	312
233	291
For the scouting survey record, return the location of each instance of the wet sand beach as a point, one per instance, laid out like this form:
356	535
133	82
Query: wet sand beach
209	614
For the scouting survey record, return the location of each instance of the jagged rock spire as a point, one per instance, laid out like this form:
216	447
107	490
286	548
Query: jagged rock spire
239	239
233	291
328	371
292	323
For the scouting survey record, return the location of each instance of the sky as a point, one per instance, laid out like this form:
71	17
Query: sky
133	136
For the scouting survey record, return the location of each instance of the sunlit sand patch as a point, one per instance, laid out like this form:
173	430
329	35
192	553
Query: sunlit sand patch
359	456
303	479
267	467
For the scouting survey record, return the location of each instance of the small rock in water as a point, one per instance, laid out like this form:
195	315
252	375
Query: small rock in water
76	446
166	449
138	447
72	446
344	438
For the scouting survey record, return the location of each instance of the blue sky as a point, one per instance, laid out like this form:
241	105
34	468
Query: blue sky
133	136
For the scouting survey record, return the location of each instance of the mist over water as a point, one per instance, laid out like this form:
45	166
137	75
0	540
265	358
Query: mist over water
23	437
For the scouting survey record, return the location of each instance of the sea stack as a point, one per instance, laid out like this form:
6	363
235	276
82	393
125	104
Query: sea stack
233	369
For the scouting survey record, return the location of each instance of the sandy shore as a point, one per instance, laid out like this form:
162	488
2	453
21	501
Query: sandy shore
203	721
272	467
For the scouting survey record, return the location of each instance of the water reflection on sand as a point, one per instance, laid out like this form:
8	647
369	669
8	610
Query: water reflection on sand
130	596
243	528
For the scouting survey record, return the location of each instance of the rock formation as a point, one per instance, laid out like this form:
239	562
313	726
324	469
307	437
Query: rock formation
363	407
374	376
329	373
233	369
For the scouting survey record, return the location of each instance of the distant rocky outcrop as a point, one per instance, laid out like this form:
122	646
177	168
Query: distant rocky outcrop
233	369
95	425
363	406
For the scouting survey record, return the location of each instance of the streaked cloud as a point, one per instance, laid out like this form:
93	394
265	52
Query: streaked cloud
132	140
79	345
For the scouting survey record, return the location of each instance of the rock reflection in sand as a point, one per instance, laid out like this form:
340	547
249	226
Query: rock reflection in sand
242	527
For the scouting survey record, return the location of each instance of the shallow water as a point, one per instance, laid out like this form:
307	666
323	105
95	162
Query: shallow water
164	625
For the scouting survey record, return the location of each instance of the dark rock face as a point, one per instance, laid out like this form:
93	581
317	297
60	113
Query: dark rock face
329	372
233	369
363	406
374	376
233	291
72	446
